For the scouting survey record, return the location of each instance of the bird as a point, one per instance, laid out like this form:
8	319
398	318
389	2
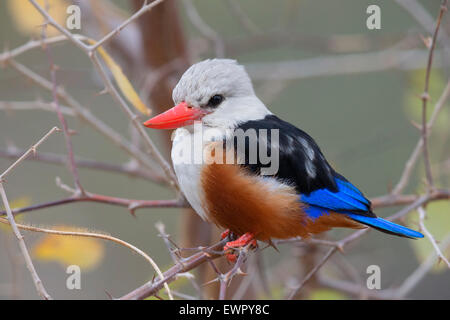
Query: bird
227	185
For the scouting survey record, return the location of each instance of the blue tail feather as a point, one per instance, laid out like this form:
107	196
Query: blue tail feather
386	226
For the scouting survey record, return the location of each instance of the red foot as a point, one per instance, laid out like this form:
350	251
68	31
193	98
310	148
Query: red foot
225	234
240	242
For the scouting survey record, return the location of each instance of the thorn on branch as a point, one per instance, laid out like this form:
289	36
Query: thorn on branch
133	207
104	91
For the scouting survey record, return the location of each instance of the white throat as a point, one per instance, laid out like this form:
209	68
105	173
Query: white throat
189	142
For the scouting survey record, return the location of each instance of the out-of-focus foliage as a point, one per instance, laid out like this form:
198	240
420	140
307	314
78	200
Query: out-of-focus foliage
87	253
28	21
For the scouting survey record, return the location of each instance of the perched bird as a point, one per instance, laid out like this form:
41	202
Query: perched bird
303	196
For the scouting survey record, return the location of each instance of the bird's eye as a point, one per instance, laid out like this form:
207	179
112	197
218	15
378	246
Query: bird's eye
215	100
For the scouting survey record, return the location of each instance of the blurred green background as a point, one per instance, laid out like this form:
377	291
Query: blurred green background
361	121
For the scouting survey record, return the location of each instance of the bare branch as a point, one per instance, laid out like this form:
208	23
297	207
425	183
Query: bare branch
422	216
90	51
37	281
312	273
152	287
62	120
9	106
102	236
86	115
425	97
131	204
130	169
30	151
419	273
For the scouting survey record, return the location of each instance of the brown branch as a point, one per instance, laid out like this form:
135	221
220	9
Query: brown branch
62	119
410	163
51	158
90	51
29	263
312	273
30	151
10	216
225	279
86	115
152	287
391	200
425	97
84	234
430	237
339	245
130	204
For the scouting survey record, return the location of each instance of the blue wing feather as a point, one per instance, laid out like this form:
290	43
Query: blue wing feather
349	189
347	198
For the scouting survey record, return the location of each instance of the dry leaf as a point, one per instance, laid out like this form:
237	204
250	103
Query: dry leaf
122	81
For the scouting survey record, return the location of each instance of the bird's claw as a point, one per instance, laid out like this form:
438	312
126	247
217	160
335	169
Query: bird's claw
225	234
242	241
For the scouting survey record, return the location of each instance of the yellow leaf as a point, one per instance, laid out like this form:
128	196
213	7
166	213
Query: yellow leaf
437	222
28	20
87	253
122	81
15	204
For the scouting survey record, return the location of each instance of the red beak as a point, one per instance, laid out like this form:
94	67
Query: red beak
179	116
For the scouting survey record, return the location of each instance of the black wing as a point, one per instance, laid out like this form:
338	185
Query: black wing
301	163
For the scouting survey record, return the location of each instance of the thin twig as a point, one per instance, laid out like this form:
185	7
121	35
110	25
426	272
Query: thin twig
29	263
90	51
419	273
422	216
32	44
131	204
129	169
410	163
312	273
95	236
152	287
86	115
326	66
31	150
145	8
62	119
425	97
23	248
9	106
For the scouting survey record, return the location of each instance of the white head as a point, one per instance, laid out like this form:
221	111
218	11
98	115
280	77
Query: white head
218	92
